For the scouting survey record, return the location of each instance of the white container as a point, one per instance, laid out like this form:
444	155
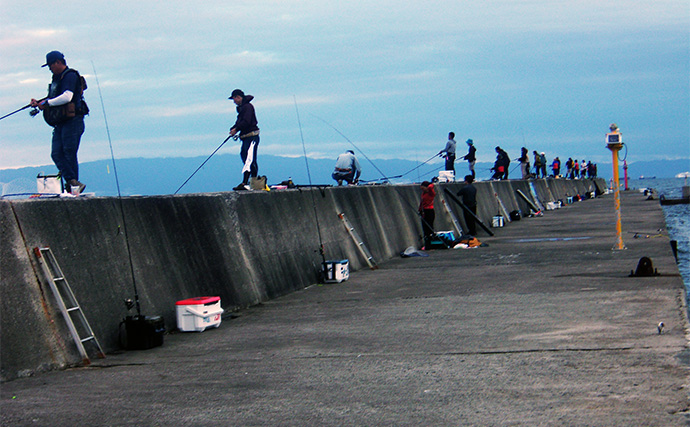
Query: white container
336	271
198	314
446	176
497	221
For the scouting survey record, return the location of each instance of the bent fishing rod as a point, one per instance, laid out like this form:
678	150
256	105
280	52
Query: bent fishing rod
234	137
33	113
353	144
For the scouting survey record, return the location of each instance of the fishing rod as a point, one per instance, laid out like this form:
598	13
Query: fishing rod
313	197
420	165
207	159
119	197
381	179
33	113
352	143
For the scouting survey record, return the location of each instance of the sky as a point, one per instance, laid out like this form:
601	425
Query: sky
392	77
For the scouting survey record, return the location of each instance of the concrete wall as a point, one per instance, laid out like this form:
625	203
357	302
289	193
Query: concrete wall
244	247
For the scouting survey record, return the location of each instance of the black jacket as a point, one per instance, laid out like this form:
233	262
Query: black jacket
246	117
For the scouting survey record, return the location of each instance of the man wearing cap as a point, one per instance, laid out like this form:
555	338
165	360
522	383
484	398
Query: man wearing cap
246	126
471	156
347	168
65	88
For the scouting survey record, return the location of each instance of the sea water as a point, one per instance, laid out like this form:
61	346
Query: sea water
677	218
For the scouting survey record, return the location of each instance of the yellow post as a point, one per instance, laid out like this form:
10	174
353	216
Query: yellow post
614	142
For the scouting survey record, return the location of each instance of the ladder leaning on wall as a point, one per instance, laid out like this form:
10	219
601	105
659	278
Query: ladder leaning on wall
69	307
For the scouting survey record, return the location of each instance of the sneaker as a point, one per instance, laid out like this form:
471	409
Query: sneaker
241	187
74	183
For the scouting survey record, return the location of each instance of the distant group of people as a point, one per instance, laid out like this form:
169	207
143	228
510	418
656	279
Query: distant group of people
574	170
581	170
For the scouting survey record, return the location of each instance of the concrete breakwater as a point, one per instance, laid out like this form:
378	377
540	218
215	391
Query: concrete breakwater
244	247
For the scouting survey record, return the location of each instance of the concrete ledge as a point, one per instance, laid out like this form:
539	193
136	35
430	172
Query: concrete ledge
244	247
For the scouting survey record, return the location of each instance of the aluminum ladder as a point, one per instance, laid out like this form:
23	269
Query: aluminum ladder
359	242
69	307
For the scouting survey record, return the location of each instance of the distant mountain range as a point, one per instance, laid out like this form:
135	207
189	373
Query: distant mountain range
157	176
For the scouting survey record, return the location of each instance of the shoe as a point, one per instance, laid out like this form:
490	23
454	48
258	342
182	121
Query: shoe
242	187
75	183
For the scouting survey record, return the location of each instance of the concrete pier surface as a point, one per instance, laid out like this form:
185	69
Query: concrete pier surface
541	327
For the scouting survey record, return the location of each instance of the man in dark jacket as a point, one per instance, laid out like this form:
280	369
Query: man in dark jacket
471	156
64	91
469	199
246	126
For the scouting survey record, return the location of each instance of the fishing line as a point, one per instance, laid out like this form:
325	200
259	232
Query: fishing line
202	165
313	197
353	144
119	194
419	166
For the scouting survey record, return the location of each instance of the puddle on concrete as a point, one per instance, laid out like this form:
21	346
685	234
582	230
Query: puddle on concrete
548	239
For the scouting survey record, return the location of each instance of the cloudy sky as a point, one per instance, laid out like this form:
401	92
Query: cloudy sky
393	76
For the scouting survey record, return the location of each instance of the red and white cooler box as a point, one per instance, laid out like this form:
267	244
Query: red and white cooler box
198	313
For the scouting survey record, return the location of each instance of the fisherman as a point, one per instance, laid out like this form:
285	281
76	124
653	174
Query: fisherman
524	163
537	163
449	153
246	125
569	168
542	159
426	211
347	168
501	165
471	156
556	167
469	199
64	109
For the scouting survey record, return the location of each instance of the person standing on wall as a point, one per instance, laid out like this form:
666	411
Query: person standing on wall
246	126
469	199
537	164
471	156
64	109
426	211
347	168
449	153
524	163
556	167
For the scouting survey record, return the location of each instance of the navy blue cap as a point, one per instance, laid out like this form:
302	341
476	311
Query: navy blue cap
52	57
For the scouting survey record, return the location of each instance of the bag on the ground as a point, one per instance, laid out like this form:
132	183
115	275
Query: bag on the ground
258	183
49	184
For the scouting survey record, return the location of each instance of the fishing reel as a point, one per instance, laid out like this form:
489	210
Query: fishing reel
34	112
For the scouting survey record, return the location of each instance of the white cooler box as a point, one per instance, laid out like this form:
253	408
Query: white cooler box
336	271
198	314
446	176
